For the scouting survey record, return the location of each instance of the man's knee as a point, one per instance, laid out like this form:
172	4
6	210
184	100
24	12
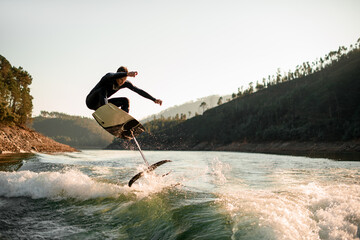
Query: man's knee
123	103
126	105
126	102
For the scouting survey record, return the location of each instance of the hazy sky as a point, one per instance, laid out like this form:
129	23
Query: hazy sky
183	50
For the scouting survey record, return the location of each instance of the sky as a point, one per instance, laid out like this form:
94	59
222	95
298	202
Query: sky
182	49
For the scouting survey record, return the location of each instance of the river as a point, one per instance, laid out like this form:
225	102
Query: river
207	195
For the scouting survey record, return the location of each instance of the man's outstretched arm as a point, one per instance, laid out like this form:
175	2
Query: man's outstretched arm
142	93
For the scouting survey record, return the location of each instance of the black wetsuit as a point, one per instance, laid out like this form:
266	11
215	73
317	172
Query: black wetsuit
107	86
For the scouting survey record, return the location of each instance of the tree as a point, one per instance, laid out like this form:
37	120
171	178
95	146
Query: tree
24	106
264	82
220	101
250	90
203	105
278	76
15	98
183	116
259	86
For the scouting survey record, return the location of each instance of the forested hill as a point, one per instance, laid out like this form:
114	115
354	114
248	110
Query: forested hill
79	132
318	102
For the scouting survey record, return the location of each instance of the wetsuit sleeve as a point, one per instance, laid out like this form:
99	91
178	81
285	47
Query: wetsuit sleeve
117	75
139	91
109	80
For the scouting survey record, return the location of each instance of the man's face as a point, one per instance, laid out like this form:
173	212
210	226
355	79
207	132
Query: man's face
121	81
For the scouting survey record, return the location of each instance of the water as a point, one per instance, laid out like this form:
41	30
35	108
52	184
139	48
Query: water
208	195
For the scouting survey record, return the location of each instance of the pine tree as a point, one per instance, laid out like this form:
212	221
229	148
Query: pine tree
15	98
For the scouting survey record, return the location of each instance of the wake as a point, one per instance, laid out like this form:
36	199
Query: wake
68	184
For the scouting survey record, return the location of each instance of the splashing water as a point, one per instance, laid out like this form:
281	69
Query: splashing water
67	184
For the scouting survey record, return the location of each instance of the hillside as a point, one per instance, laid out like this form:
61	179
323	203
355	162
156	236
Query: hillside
317	106
78	132
17	139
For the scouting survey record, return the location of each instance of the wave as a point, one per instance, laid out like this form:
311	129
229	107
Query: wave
70	183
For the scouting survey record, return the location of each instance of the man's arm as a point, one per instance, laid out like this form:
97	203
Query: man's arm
116	75
139	91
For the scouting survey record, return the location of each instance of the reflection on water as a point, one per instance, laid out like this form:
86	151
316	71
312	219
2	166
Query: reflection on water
349	156
12	162
338	156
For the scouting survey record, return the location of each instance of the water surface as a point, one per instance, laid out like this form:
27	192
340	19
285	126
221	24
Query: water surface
207	195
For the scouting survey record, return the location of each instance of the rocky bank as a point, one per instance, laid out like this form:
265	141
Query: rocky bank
15	139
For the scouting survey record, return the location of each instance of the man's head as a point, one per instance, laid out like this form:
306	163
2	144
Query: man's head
122	80
122	69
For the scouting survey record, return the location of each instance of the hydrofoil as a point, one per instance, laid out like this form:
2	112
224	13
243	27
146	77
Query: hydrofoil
120	124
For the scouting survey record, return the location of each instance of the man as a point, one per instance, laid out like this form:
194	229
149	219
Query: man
110	84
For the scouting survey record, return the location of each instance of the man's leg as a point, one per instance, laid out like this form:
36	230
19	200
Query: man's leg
122	102
96	99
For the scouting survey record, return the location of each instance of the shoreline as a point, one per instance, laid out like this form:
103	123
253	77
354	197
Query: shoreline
345	151
306	149
292	146
349	150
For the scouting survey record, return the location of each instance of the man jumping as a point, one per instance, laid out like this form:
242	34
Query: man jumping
110	84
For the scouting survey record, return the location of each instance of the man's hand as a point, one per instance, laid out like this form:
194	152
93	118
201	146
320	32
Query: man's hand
158	101
132	74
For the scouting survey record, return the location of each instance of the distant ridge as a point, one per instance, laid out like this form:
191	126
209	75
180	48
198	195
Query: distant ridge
190	108
76	131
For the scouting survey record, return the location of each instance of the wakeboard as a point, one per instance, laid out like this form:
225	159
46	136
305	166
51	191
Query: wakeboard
122	125
117	122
